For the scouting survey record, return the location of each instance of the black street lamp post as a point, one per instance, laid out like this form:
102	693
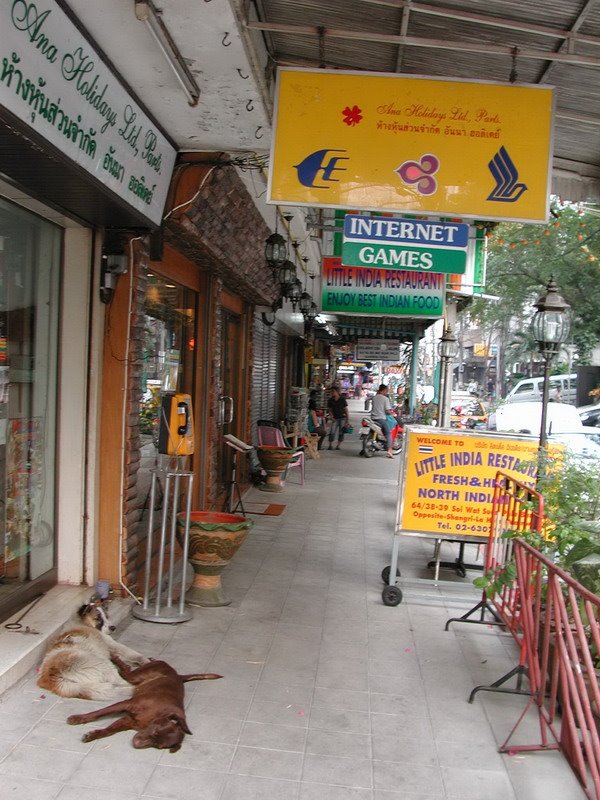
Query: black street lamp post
447	351
550	327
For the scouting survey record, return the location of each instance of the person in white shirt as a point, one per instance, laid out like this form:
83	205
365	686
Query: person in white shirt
380	407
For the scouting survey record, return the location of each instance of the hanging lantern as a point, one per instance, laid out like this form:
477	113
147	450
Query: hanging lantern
286	275
313	311
305	302
294	293
275	250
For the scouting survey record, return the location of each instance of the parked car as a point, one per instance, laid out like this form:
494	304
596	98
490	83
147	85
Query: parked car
590	415
563	421
562	388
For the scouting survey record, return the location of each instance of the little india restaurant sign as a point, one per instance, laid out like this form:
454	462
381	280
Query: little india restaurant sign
405	244
361	290
52	79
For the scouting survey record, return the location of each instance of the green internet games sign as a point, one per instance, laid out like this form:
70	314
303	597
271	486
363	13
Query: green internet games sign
405	244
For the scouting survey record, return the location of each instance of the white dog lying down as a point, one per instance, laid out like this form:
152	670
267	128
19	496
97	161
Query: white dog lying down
78	663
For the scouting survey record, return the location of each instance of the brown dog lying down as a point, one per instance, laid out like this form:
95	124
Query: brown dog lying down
155	710
78	662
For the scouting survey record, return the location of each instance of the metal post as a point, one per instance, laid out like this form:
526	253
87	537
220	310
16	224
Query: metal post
443	400
543	425
414	365
159	612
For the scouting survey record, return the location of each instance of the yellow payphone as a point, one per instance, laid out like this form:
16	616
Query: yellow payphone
176	431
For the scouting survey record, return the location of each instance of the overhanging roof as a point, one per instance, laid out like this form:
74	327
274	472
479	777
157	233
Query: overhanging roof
555	42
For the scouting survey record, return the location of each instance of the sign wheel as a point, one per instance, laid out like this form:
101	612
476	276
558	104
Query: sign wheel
391	596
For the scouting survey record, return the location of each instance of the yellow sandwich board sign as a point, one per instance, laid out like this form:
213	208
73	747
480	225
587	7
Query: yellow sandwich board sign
447	480
418	145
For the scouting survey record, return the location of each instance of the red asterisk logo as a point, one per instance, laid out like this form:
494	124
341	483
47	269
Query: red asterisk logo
352	116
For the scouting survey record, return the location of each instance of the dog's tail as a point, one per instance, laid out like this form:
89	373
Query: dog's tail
200	676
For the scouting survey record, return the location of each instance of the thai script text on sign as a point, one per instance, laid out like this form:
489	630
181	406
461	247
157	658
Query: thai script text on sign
405	244
52	79
359	290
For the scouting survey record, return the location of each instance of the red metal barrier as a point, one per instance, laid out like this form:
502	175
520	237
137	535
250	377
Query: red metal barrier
515	507
561	634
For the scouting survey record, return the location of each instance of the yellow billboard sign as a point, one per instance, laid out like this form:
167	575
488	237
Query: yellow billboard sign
447	480
393	143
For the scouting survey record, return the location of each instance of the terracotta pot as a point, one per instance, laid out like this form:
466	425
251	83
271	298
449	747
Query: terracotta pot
214	539
274	461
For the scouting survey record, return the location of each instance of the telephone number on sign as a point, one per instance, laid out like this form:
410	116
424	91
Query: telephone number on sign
472	528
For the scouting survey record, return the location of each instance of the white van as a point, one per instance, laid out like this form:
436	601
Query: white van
562	388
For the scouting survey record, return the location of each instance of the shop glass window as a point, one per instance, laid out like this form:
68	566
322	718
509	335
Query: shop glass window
30	254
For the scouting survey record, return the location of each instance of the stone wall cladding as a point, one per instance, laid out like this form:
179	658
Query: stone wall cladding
223	231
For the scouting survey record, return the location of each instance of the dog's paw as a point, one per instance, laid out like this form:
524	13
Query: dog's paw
76	719
89	737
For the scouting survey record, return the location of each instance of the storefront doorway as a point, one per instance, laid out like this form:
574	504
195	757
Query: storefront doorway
232	408
30	258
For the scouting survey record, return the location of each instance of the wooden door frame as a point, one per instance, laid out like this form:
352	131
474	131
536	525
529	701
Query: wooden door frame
234	305
174	266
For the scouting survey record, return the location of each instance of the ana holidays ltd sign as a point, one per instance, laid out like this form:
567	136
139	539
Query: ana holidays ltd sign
52	79
381	142
393	292
405	244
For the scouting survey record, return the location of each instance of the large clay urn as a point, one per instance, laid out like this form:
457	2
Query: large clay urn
274	460
215	537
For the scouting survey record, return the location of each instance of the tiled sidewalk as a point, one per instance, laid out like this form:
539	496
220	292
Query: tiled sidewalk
327	694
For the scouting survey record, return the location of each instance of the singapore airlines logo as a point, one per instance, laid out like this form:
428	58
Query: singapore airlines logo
504	172
320	166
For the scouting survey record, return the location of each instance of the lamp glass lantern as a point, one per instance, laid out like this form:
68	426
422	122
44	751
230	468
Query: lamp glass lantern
313	311
551	322
305	302
295	292
448	346
286	275
275	250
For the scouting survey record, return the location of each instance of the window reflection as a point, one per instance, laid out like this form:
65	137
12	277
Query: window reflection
29	280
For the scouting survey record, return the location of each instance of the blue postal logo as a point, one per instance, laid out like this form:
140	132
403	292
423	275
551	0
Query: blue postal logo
506	175
320	165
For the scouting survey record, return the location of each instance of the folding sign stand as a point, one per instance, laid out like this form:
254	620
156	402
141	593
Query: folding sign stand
234	489
172	477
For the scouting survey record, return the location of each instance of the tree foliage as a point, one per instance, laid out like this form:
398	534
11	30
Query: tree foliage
521	260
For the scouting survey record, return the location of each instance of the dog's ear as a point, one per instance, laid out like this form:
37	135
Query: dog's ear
175	748
83	610
181	721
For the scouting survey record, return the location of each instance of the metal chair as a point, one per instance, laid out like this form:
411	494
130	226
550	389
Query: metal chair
270	435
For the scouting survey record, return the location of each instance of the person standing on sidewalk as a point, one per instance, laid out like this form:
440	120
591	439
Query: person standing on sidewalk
337	408
380	409
314	422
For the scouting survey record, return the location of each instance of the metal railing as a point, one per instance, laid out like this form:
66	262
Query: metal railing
515	507
561	634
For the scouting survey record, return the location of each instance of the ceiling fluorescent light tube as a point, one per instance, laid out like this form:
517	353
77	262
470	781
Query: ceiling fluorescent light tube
146	12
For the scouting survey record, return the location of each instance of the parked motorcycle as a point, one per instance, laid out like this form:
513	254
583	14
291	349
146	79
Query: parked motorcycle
373	440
